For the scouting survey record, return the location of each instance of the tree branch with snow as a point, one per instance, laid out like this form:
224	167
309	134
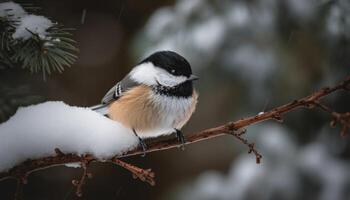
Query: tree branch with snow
78	135
33	42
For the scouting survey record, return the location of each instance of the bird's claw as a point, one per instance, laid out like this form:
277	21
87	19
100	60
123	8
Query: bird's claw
143	146
142	143
181	138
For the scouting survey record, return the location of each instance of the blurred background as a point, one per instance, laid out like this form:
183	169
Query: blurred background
250	55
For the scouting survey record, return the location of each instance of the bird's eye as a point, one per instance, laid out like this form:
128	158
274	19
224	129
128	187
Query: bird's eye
173	71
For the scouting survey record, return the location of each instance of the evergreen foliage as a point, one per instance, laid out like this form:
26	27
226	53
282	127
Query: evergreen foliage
39	49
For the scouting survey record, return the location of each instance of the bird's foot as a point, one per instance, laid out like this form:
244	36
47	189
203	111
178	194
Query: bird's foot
142	143
143	146
180	136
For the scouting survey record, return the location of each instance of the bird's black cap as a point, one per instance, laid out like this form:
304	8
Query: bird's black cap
171	62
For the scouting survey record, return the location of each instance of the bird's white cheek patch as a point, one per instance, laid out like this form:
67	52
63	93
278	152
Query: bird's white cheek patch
144	73
170	80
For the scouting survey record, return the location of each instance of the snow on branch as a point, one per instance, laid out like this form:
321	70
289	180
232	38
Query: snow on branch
36	131
78	135
34	42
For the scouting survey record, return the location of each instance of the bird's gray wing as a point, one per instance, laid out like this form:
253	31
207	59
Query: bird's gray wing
116	91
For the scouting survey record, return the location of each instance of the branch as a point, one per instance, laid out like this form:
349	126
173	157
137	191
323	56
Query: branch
274	114
145	175
21	171
251	146
342	118
86	160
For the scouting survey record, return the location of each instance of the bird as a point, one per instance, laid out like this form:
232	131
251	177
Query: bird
155	98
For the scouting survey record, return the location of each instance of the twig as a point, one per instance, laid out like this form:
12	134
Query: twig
29	166
251	146
19	189
145	175
342	118
80	183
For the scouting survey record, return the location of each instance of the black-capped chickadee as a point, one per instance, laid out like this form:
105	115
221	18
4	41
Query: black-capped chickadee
156	98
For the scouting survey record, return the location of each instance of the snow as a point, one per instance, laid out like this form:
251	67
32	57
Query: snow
48	44
249	59
35	131
338	19
56	40
25	24
303	10
73	165
186	8
209	35
239	15
11	10
333	25
32	23
162	19
208	184
331	172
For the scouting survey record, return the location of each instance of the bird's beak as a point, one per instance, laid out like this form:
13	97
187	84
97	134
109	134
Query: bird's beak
193	78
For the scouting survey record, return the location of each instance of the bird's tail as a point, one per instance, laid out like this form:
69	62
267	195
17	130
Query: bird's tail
100	108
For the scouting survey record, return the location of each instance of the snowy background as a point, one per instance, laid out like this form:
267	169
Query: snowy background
250	56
